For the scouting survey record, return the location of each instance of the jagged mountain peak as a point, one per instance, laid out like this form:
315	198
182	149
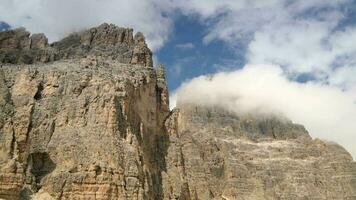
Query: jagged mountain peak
106	40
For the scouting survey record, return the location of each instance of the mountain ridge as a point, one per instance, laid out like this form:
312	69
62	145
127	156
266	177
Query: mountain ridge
109	41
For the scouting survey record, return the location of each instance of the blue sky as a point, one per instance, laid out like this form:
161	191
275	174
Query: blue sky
3	26
186	56
295	57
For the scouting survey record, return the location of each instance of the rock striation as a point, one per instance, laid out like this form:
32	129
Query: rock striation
87	117
81	121
214	154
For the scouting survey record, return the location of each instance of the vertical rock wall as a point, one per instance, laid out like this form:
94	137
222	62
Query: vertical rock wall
215	154
85	126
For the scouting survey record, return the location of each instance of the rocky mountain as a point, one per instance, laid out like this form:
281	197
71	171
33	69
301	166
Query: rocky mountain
87	117
85	120
214	154
19	46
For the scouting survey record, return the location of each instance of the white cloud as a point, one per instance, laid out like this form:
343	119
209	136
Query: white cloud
298	46
58	18
344	77
212	8
185	46
326	111
302	36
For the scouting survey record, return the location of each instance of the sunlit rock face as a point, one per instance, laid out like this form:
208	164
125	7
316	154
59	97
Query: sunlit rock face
78	120
87	117
215	154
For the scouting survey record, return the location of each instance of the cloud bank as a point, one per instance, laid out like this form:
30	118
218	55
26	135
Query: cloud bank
313	39
326	111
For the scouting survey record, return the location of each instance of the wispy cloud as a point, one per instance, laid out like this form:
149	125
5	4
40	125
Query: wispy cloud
301	36
177	68
185	46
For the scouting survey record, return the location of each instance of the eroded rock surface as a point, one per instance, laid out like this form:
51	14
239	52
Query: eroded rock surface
214	154
89	125
109	41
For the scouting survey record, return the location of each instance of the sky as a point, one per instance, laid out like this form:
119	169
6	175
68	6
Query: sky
293	57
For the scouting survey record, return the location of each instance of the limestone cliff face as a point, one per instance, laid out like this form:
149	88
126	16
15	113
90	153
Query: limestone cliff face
87	118
83	122
214	154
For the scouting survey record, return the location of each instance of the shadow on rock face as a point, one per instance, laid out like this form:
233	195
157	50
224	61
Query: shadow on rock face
41	165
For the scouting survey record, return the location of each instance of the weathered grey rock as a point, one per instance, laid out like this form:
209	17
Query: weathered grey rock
14	39
38	41
141	53
81	127
214	154
109	41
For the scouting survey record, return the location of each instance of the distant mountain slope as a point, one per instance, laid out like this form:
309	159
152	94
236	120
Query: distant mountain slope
214	154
